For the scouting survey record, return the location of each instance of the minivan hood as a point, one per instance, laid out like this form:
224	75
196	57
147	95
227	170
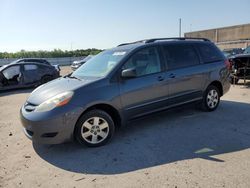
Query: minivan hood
55	87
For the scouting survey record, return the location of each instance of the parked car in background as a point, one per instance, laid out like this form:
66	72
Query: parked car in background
232	51
36	60
76	64
24	74
123	84
240	67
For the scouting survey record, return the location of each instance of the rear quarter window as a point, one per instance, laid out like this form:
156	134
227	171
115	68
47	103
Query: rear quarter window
209	53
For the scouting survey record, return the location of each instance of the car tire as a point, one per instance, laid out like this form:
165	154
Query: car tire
46	79
211	99
94	128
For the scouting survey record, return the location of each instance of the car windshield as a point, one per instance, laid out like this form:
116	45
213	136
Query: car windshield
100	65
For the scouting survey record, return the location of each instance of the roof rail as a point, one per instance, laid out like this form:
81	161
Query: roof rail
176	38
159	39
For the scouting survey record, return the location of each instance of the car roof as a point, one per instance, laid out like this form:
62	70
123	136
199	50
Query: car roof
31	59
21	63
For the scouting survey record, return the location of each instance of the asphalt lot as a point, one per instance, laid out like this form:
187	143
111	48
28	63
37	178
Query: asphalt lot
180	148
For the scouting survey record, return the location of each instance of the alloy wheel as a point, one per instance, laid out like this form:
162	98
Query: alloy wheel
212	98
95	130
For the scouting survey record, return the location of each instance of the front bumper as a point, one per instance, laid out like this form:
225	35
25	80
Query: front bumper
50	128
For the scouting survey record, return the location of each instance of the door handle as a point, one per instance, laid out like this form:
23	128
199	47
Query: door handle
172	75
160	78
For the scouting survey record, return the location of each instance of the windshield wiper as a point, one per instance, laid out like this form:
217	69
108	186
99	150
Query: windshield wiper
73	77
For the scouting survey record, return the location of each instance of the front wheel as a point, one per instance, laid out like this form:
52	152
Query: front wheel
95	128
211	98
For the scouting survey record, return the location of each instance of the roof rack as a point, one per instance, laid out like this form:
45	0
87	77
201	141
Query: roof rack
161	39
176	38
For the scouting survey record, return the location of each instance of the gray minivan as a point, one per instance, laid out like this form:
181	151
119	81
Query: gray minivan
124	83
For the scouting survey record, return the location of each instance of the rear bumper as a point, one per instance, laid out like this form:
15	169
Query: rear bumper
50	129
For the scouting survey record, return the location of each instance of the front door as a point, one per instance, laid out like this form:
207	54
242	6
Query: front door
143	93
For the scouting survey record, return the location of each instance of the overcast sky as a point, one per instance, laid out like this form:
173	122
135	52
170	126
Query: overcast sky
77	24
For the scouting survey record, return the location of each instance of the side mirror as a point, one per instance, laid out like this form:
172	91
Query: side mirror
129	73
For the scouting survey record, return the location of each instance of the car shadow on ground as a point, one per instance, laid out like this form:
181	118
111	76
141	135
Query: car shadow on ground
16	91
166	137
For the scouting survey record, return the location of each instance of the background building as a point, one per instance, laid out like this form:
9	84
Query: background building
226	37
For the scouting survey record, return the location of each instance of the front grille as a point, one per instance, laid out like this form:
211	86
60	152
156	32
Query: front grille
29	107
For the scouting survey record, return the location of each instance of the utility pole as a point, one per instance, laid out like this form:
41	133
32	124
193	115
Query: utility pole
71	45
180	27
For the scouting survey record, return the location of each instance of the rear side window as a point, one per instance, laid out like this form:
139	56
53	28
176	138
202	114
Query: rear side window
209	53
181	55
30	67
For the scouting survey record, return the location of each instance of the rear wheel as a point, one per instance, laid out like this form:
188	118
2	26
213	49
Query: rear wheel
95	128
46	79
211	98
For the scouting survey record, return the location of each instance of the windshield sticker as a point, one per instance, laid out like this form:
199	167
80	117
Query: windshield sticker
119	53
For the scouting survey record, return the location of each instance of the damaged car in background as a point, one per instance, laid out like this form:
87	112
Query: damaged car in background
232	51
37	60
240	67
26	74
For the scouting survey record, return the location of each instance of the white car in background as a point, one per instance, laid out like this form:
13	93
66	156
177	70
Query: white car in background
76	64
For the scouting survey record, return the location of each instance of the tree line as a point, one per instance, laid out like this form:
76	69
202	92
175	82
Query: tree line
49	54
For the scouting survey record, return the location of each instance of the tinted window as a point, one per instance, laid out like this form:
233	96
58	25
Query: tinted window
209	53
180	55
145	62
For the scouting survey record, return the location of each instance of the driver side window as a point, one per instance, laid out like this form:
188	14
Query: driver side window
145	62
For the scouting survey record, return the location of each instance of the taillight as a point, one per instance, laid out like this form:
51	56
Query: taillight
228	64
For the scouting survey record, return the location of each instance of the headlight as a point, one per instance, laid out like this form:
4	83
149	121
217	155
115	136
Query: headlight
56	101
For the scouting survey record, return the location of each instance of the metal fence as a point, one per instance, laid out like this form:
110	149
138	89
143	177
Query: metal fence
63	61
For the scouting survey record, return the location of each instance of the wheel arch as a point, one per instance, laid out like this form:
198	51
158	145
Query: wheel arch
112	111
217	84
